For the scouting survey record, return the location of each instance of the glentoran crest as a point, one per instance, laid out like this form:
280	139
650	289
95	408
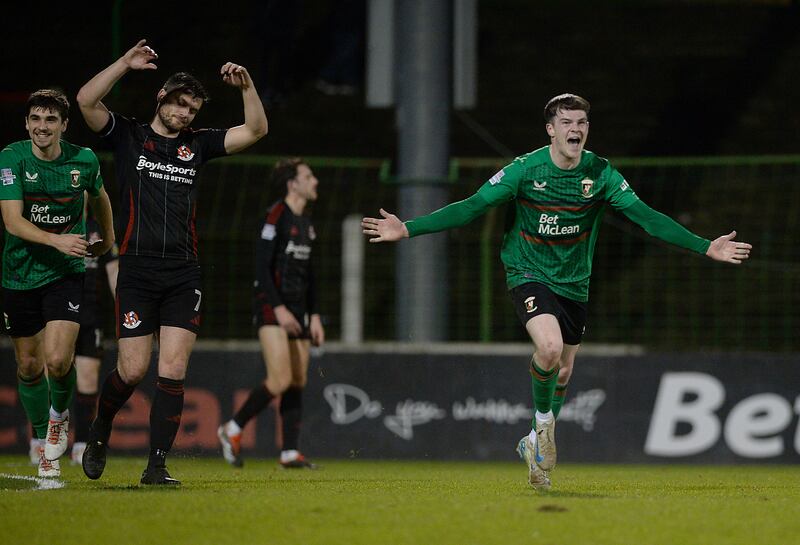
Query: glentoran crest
586	188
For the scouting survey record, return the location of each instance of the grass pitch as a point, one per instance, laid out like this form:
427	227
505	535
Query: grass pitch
370	502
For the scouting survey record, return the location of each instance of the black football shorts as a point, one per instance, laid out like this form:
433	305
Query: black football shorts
533	298
154	292
26	312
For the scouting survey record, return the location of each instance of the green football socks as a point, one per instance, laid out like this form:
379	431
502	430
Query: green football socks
544	386
34	395
558	399
61	389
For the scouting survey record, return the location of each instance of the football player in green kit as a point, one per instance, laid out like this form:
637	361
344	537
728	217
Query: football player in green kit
561	192
42	184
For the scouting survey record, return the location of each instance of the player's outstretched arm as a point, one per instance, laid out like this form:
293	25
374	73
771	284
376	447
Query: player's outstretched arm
387	229
139	57
727	250
255	118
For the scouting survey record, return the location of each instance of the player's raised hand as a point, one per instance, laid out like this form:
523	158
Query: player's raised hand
140	57
71	245
388	229
728	250
236	75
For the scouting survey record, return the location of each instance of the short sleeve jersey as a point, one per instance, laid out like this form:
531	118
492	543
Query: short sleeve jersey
283	259
557	215
52	199
157	179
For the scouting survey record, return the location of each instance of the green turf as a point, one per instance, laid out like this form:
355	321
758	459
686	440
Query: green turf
421	503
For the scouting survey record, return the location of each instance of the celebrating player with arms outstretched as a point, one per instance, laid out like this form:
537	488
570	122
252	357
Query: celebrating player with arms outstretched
158	289
561	192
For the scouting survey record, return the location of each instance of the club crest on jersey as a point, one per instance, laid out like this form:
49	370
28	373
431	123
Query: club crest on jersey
529	304
586	188
130	320
184	153
311	233
76	178
31	177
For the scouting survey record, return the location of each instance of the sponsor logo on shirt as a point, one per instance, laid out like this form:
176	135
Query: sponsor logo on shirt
548	225
268	231
494	180
539	186
41	214
184	153
298	251
31	177
168	172
7	176
130	320
586	188
76	178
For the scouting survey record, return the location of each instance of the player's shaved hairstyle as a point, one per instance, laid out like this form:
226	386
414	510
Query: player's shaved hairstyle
49	99
566	101
285	170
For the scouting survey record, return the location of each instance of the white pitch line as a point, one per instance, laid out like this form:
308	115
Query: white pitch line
41	483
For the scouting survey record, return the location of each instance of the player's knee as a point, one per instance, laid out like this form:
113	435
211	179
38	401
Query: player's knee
58	363
277	383
29	366
548	354
131	375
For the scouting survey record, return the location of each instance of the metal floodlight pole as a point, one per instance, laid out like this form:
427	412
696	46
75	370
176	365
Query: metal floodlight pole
423	93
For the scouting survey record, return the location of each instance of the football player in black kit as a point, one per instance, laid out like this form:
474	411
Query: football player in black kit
89	346
285	313
158	290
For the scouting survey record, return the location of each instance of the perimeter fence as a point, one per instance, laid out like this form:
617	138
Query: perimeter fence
642	292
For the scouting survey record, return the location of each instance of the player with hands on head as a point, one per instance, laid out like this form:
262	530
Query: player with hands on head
560	193
159	288
42	185
285	313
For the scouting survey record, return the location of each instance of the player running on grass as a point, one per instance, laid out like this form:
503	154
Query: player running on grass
42	184
561	192
158	288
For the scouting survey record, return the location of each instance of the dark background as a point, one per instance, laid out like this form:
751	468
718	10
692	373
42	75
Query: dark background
712	80
665	77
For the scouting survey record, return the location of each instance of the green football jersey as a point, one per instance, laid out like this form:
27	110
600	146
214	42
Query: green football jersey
52	199
557	215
